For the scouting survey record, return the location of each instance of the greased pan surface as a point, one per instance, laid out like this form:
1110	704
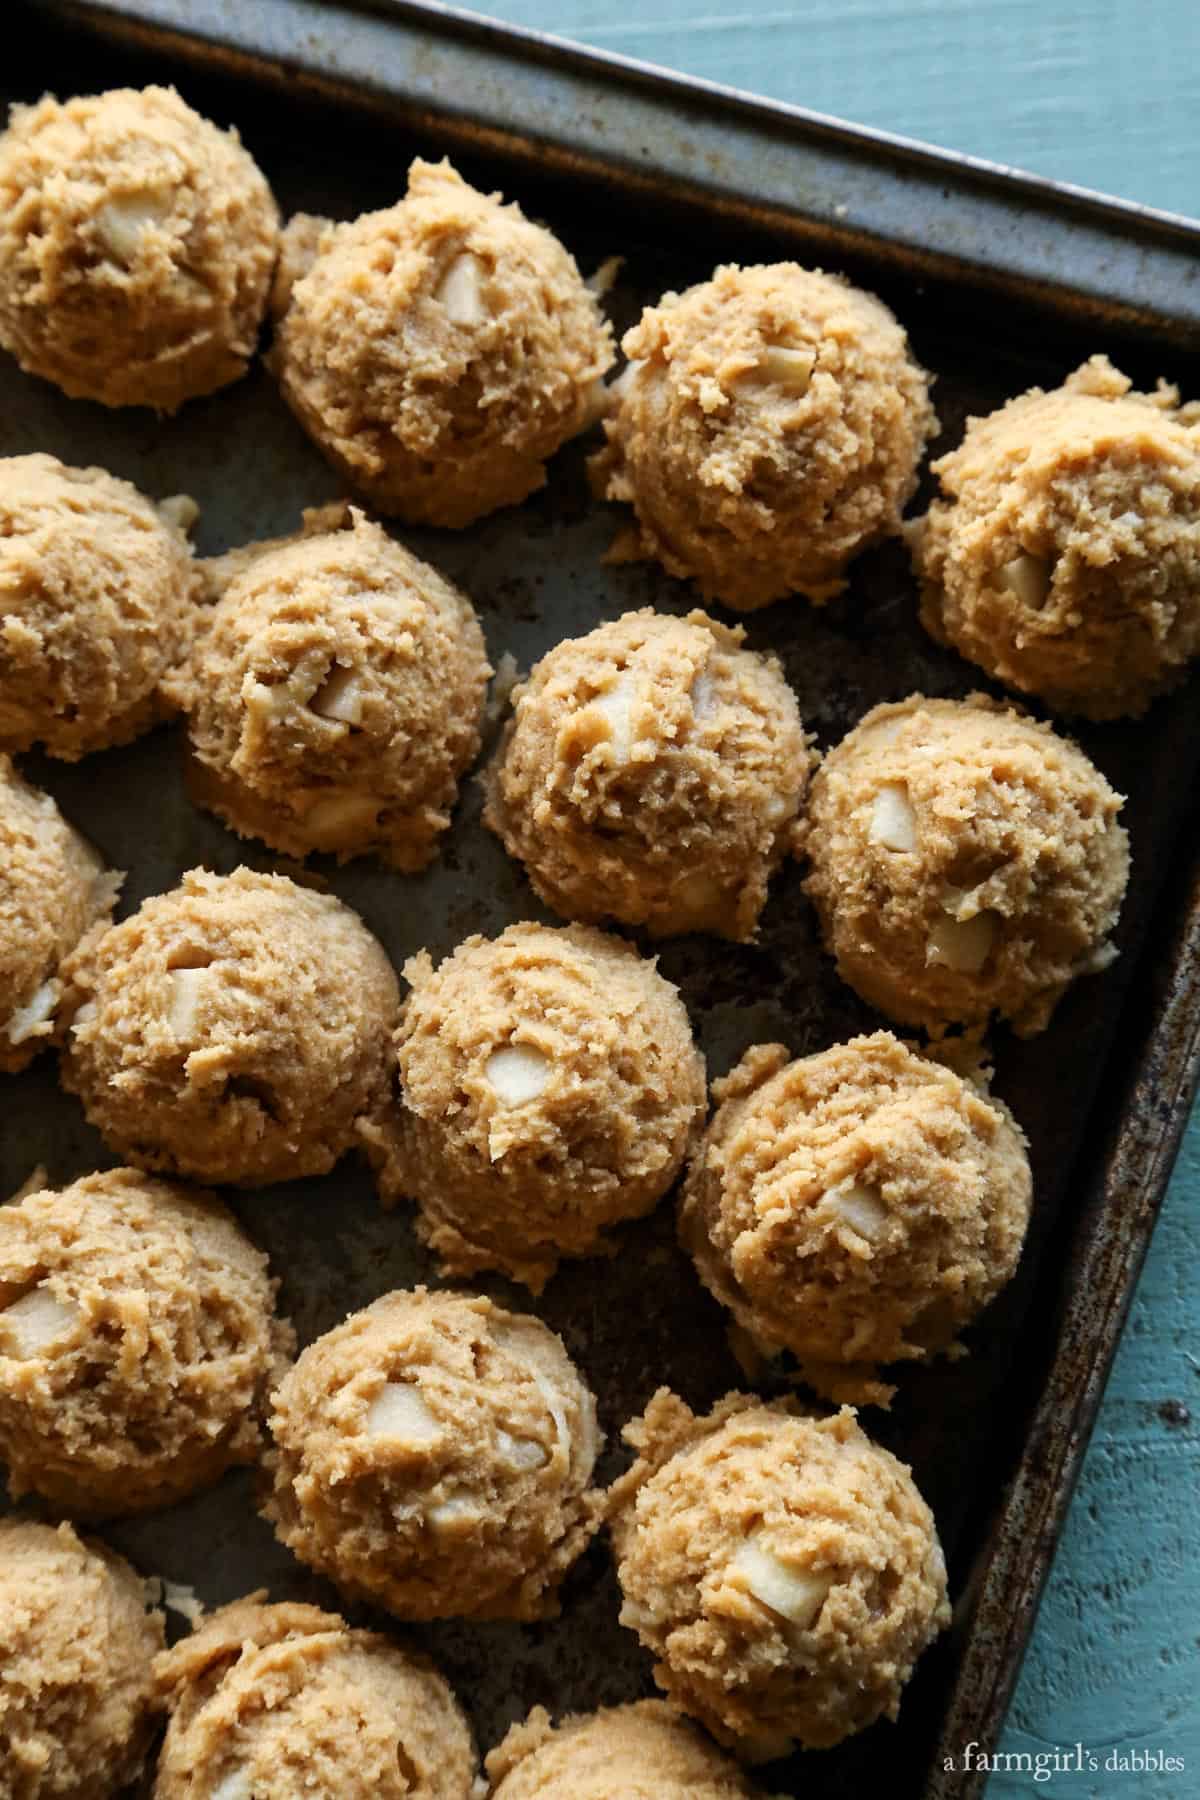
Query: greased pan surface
994	1439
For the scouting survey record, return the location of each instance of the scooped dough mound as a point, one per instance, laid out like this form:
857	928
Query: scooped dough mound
137	243
783	1570
288	1700
76	1653
639	1752
97	602
335	698
433	1453
439	352
550	1088
767	429
1064	556
233	1030
652	772
53	886
855	1207
965	860
138	1343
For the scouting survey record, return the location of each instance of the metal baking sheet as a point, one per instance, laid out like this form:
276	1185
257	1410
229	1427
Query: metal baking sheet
1002	281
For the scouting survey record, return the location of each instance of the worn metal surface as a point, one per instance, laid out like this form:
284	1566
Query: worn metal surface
1020	1407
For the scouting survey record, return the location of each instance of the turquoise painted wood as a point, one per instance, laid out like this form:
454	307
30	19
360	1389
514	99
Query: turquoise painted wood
1103	93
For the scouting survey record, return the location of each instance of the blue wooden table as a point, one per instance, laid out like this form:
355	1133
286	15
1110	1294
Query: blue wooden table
1103	93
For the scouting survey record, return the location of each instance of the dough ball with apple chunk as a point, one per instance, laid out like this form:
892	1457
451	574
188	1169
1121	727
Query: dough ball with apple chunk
965	860
53	888
288	1700
137	243
767	429
438	352
334	698
652	772
782	1569
235	1030
138	1343
550	1087
77	1647
643	1751
1064	553
98	598
856	1207
433	1454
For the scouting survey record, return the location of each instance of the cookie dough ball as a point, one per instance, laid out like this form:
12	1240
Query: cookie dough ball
234	1030
433	1454
767	429
550	1088
652	772
76	1654
439	352
639	1752
53	887
137	243
855	1207
335	698
783	1570
289	1700
965	860
97	603
138	1343
1064	555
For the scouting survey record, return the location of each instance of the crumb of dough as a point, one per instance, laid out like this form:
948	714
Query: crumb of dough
1064	554
438	352
233	1030
550	1088
965	860
53	888
856	1207
652	772
138	1343
334	698
433	1454
137	242
98	598
767	429
783	1570
643	1751
76	1655
289	1700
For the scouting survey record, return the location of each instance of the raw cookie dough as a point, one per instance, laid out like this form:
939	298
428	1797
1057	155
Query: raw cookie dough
97	602
76	1654
768	428
550	1088
137	243
965	860
1064	556
138	1343
433	1454
652	772
53	887
639	1752
234	1030
783	1570
287	1701
334	698
439	352
855	1207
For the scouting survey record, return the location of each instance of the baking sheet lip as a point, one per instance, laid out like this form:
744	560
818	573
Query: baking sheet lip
675	88
1033	1507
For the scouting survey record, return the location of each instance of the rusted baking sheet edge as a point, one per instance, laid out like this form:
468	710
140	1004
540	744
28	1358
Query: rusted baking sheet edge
534	98
1148	1101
